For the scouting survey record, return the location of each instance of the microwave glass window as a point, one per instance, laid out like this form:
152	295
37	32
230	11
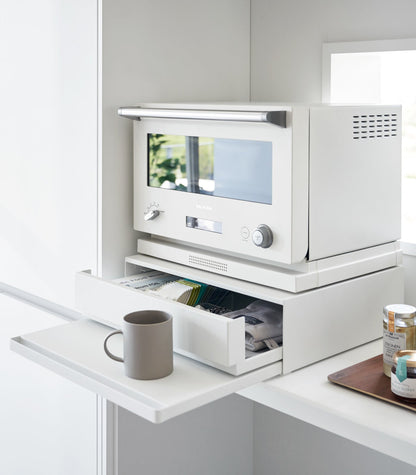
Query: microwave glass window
227	168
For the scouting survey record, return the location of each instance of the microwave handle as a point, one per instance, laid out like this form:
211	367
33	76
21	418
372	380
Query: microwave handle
273	117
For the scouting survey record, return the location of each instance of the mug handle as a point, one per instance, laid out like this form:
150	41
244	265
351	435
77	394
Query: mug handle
107	351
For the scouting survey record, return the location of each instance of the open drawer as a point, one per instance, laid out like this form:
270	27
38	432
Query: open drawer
75	351
207	337
317	323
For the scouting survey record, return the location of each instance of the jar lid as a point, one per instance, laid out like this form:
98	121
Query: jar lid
400	310
411	360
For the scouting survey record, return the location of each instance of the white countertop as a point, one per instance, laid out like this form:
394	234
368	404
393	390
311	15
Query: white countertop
307	395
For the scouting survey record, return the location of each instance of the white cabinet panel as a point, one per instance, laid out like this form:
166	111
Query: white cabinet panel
48	425
309	396
48	147
337	317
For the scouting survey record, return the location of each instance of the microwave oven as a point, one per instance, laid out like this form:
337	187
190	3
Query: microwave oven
273	193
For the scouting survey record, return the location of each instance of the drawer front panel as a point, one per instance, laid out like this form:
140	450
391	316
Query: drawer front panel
208	337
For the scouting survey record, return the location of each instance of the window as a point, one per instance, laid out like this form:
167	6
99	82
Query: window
224	167
380	72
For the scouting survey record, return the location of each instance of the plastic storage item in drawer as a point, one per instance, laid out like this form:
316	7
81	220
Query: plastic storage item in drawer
208	337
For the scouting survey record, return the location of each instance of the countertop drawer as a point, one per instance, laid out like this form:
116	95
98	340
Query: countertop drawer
316	324
213	339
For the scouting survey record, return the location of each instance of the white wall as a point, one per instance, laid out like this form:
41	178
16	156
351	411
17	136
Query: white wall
156	51
287	39
48	144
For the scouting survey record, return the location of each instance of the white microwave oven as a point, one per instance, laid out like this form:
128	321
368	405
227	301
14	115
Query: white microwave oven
272	186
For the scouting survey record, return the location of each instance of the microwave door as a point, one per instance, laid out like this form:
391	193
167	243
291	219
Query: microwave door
221	180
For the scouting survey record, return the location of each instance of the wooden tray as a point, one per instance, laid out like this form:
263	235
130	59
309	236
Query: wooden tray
367	377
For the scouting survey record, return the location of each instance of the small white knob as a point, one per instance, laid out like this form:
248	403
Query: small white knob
262	236
152	214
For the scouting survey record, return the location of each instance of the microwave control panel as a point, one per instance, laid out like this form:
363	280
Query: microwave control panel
261	236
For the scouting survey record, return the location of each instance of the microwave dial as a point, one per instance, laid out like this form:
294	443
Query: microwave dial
262	236
151	214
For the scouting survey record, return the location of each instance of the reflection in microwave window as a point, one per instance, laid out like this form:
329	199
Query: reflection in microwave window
227	168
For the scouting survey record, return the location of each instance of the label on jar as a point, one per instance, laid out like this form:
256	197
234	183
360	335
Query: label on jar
401	368
392	323
406	388
392	342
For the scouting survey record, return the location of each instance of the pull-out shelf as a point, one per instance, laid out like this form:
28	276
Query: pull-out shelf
75	351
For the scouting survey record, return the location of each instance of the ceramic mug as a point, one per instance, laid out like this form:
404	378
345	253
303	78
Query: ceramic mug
147	341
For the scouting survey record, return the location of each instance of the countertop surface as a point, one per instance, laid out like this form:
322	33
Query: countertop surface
307	395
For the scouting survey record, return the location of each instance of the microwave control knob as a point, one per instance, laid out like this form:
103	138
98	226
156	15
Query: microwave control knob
152	214
262	236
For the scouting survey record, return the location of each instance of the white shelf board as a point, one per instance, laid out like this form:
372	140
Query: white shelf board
307	395
75	351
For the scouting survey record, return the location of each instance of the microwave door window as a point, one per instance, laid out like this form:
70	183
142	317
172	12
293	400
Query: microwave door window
228	168
182	163
243	170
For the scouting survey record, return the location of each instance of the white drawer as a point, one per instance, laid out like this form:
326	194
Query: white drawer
213	339
316	324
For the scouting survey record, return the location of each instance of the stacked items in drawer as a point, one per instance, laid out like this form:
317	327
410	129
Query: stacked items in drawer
264	324
263	320
175	288
147	279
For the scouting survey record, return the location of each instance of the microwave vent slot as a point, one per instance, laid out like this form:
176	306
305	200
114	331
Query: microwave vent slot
207	263
374	126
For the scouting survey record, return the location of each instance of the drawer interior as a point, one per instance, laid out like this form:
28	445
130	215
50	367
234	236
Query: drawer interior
210	298
220	301
215	325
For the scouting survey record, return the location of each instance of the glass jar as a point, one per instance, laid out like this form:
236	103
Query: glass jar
398	332
403	375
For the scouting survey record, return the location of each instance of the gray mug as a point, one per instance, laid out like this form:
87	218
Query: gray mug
147	341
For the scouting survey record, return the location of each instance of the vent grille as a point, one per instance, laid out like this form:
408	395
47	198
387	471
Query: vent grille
207	263
374	126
